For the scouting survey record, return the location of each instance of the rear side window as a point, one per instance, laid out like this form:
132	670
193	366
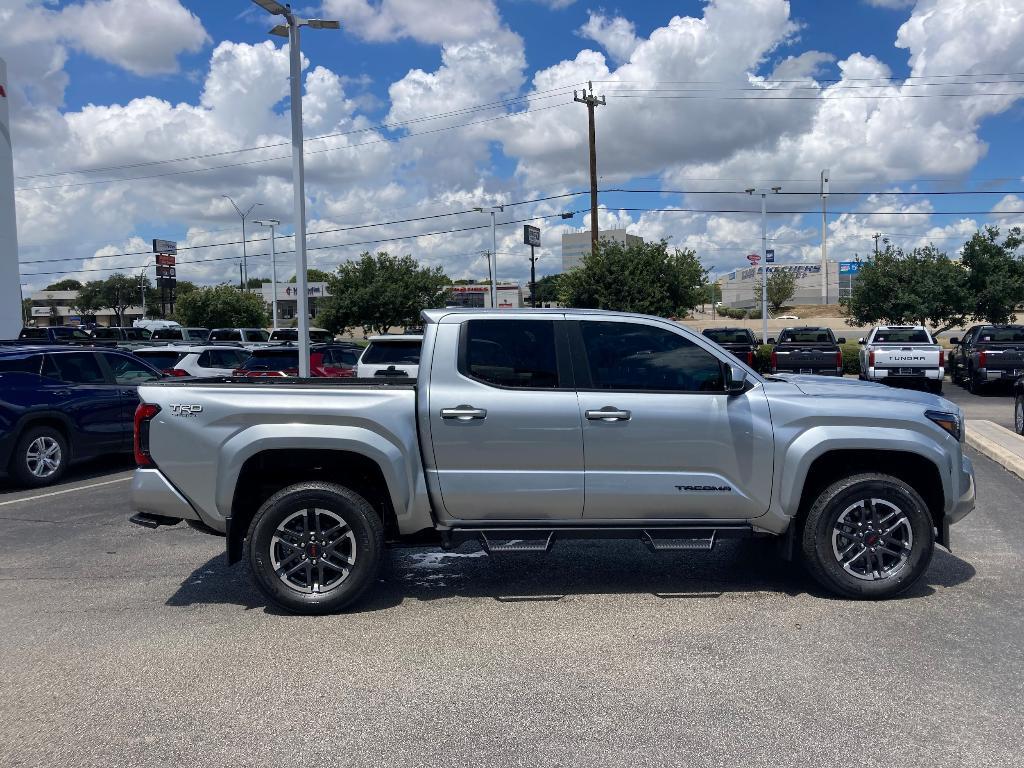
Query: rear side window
272	360
634	357
512	353
105	333
32	333
228	334
341	357
222	358
161	359
30	364
79	368
173	334
399	352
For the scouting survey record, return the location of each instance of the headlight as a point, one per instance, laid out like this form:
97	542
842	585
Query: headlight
948	421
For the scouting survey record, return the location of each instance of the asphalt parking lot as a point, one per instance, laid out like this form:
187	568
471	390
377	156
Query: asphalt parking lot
994	404
121	646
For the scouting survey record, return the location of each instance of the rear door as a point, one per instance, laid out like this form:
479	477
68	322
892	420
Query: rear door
504	421
661	437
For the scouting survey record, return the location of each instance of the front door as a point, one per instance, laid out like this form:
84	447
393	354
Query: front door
89	399
505	431
661	437
127	373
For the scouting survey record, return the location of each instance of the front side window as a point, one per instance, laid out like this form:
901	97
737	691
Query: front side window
634	357
162	359
127	370
512	353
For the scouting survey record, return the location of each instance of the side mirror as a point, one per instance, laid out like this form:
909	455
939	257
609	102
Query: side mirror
735	379
771	340
861	340
841	340
955	340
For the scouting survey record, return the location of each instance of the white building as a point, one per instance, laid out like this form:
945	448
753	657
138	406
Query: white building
51	308
576	245
288	299
739	286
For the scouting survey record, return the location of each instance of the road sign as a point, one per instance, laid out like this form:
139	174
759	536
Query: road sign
754	258
165	260
165	246
769	256
531	235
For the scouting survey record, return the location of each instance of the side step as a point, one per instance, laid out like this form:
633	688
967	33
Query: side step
670	541
150	520
532	544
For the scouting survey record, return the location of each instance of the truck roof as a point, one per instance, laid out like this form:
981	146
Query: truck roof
435	315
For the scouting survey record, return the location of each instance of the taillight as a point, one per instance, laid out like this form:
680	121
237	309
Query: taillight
982	359
175	372
750	358
942	358
871	359
839	360
140	443
775	362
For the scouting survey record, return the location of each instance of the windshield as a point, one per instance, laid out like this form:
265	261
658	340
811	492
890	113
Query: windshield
902	336
161	358
1011	333
807	336
729	336
399	352
272	360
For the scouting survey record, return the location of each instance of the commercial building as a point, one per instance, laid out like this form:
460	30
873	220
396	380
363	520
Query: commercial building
51	308
576	245
510	295
740	286
288	299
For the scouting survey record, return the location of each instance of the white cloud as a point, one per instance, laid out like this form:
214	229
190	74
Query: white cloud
428	21
616	35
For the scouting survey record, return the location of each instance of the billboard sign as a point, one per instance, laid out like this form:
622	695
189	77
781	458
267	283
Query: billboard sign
849	267
164	260
165	246
531	235
754	258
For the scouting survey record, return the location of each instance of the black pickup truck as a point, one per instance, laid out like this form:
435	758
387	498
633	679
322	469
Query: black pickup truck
738	341
56	334
807	350
987	354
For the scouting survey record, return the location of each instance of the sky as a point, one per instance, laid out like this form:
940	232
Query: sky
131	119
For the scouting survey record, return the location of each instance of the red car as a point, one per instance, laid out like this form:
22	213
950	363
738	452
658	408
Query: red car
329	360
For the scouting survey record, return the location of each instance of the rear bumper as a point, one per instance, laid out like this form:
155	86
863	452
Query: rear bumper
921	374
153	494
998	374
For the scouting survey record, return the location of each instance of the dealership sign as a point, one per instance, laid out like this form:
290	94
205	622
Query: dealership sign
531	235
849	267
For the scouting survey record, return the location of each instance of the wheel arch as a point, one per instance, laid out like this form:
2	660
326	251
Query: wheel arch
52	419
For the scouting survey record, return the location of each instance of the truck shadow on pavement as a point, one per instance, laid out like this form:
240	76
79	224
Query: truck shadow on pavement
571	568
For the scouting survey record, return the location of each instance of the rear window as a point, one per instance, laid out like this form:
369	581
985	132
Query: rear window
226	334
398	352
997	335
137	334
32	333
341	356
198	334
162	358
902	336
105	333
272	360
71	333
256	334
807	336
29	364
167	333
728	336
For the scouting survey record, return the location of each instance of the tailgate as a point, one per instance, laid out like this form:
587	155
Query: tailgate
905	357
810	358
1010	358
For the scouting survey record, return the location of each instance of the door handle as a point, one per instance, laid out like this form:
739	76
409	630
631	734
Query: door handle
464	413
609	413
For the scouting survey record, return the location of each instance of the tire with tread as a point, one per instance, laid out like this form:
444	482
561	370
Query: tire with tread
19	460
816	535
1018	413
361	518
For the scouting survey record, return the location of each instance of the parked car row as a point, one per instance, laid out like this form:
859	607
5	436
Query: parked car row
806	350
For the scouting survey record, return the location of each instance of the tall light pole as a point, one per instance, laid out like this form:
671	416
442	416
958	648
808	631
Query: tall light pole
492	262
824	247
272	223
291	31
764	258
245	263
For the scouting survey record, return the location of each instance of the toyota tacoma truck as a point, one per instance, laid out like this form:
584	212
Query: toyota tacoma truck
807	351
904	354
525	427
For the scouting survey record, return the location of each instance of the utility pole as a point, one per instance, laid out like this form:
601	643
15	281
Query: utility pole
877	235
492	255
533	278
142	292
764	257
824	247
588	98
272	223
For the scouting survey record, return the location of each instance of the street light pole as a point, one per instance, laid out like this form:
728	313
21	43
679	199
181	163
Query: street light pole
245	263
824	233
291	31
764	258
272	223
493	258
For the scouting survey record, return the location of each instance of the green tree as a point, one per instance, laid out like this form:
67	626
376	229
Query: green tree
257	282
117	293
644	278
221	306
995	277
312	276
67	284
781	287
548	289
378	292
90	299
922	286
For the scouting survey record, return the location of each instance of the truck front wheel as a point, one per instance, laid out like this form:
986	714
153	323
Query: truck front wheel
868	536
314	547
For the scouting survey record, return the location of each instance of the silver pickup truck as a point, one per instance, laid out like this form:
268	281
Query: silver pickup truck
529	426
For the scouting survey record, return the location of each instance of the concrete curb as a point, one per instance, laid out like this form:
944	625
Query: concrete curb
998	443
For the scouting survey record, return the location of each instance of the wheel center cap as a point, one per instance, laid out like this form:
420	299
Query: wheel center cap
313	550
871	539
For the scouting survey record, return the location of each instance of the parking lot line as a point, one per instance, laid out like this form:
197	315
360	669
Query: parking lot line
64	490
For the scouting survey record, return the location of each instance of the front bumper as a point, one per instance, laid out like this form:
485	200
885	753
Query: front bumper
962	506
153	494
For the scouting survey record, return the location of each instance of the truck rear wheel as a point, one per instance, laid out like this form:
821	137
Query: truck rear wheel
314	547
868	536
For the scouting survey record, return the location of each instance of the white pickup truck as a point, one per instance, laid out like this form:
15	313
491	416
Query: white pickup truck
902	353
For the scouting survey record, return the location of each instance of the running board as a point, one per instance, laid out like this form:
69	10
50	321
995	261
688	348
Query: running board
151	520
670	541
534	538
517	544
